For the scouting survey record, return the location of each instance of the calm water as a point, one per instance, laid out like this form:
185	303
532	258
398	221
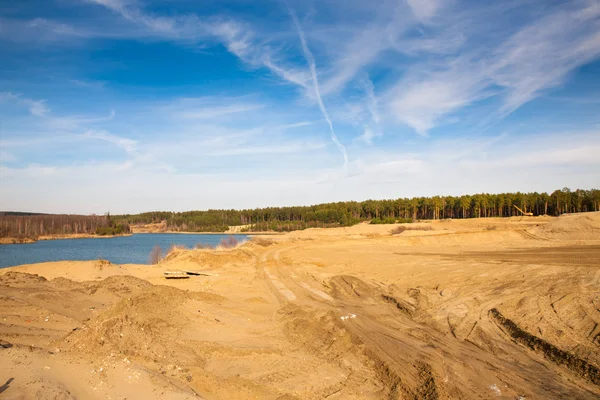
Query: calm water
119	250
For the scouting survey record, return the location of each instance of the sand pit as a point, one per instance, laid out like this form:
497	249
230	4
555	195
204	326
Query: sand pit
485	308
571	227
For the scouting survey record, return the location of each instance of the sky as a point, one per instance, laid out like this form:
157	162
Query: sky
126	106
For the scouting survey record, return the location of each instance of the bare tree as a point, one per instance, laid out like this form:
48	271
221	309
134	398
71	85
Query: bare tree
229	243
155	255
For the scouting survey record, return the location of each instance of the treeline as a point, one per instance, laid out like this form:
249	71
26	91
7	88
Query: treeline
17	225
30	225
377	211
20	213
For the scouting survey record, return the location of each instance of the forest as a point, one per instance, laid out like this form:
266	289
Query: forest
30	225
376	211
22	226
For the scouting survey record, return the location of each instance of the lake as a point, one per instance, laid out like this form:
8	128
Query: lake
133	249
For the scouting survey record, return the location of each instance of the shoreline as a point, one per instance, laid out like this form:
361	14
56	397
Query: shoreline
12	240
214	233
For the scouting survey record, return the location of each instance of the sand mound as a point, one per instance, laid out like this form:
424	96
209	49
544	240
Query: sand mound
13	278
37	311
206	259
357	231
350	287
145	327
117	285
458	238
584	226
121	285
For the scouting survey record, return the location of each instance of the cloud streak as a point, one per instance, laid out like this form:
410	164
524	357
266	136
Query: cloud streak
129	145
313	71
203	112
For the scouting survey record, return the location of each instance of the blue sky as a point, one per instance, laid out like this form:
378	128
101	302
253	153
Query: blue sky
138	105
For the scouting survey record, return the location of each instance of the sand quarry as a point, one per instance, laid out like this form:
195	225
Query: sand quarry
474	309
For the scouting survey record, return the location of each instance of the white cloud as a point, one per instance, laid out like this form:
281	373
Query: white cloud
430	62
536	58
371	129
296	125
357	53
129	145
169	26
73	122
292	75
368	135
236	37
38	30
6	157
40	109
31	171
36	107
88	83
313	70
292	147
541	55
372	105
422	102
210	112
81	188
425	9
362	46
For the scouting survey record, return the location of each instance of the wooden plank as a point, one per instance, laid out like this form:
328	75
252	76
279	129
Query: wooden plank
196	273
176	275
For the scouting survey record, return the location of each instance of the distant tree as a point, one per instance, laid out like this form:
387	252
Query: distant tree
337	214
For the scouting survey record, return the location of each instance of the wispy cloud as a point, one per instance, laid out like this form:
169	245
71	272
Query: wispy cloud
518	70
36	107
38	31
425	9
88	83
6	157
313	71
237	37
296	125
40	109
368	135
451	71
372	103
422	101
371	128
293	75
72	122
357	53
527	63
129	145
287	148
180	27
210	112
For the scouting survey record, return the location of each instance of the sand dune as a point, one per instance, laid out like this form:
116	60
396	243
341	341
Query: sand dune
487	308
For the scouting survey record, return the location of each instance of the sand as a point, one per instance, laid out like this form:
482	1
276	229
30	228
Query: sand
477	309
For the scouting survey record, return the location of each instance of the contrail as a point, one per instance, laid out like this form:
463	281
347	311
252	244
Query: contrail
313	71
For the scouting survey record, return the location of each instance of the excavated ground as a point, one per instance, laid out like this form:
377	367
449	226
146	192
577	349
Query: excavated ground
490	308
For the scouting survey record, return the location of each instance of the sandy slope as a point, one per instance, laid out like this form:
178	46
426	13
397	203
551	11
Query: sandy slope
488	308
